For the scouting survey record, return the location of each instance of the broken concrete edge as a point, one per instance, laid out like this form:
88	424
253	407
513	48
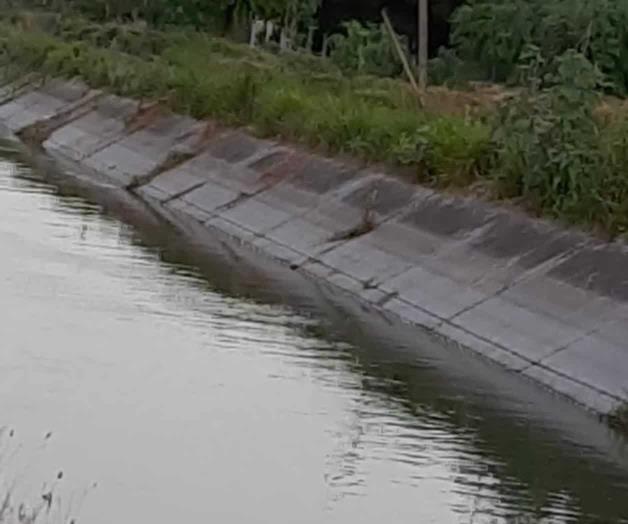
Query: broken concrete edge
546	303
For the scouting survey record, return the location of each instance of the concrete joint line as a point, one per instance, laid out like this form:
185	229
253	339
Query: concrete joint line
40	130
178	195
575	381
488	341
20	89
541	269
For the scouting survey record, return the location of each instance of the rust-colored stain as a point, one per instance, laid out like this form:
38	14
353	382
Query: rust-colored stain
283	169
210	131
145	116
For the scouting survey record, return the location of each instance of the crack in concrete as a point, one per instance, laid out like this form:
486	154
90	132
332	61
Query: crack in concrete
39	131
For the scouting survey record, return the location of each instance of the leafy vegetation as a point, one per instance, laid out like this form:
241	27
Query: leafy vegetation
376	120
214	15
551	149
549	146
496	34
365	49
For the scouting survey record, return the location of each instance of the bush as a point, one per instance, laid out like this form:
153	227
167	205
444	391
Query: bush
551	150
365	49
495	33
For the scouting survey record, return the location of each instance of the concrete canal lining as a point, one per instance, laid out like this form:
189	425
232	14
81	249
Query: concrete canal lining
545	302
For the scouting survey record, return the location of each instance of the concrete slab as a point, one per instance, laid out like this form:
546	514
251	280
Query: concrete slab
594	399
483	347
302	235
346	282
231	229
598	358
277	251
234	147
406	241
441	235
383	195
240	179
317	269
123	164
365	262
140	153
446	216
255	215
210	197
436	293
24	116
190	210
320	175
524	331
473	269
511	235
563	302
70	91
598	267
94	131
321	227
264	162
171	184
411	314
42	103
16	105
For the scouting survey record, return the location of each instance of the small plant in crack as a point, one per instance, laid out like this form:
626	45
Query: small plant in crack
618	418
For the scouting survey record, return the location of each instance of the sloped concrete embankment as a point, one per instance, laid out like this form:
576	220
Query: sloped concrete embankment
547	303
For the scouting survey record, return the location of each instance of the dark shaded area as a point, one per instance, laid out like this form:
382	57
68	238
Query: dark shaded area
403	13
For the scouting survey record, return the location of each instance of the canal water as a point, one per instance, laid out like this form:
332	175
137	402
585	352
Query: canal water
146	380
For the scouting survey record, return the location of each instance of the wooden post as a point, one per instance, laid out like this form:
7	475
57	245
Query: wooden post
422	42
399	51
310	38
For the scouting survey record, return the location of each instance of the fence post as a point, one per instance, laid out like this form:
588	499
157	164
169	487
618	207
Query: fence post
422	42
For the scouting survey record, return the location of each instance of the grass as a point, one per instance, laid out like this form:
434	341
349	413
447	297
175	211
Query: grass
455	139
20	500
297	97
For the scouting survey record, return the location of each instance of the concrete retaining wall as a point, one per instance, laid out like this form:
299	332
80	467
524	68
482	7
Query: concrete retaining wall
547	303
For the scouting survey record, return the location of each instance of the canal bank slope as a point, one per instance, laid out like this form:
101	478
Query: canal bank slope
547	303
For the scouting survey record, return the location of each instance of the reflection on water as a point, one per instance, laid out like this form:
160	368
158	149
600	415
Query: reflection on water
195	387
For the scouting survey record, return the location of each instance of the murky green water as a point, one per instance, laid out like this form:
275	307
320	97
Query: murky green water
189	386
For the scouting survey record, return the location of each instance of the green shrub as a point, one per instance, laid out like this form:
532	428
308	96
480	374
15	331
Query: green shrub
545	146
365	49
551	150
495	34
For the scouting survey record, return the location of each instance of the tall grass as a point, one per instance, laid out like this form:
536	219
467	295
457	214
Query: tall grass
545	147
208	77
23	501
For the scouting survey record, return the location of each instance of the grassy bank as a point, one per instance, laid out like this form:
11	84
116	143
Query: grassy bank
546	148
297	97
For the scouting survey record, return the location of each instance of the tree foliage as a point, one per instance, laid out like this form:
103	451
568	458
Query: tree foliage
495	34
365	49
197	13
